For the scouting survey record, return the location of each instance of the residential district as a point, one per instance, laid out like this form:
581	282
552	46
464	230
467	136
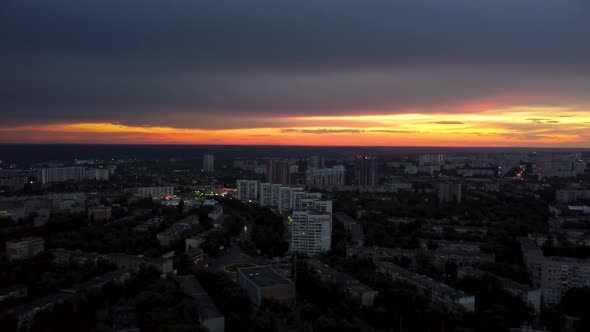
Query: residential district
457	241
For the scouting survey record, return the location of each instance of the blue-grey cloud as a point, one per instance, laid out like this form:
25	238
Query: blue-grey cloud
131	61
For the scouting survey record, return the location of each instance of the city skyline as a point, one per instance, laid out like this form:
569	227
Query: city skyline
335	73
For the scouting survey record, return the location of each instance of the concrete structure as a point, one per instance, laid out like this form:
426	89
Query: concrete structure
13	292
265	194
134	263
99	213
449	192
432	160
26	312
438	292
284	200
363	293
63	257
554	274
353	227
365	171
24	248
125	319
208	163
559	274
209	316
61	174
278	171
439	257
325	176
149	224
263	282
97	174
153	192
570	196
477	172
171	235
14	211
311	232
247	189
98	282
216	213
315	162
14	182
561	165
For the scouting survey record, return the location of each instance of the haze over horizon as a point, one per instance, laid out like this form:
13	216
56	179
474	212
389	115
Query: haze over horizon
329	73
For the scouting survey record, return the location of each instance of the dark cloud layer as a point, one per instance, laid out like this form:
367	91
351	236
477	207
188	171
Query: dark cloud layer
132	61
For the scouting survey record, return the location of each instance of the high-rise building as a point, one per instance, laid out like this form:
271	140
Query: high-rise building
432	160
208	160
247	189
315	162
325	176
265	194
311	232
311	224
278	171
365	171
284	200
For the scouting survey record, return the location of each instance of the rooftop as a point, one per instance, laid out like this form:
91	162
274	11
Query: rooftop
328	274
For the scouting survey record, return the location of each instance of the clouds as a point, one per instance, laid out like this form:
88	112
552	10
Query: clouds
261	63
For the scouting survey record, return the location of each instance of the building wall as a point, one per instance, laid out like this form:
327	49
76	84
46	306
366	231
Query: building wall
216	324
282	293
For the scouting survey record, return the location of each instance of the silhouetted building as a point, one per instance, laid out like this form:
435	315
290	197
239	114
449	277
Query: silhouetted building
24	248
365	171
278	171
208	160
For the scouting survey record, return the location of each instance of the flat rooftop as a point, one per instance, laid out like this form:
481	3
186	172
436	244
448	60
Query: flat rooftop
263	276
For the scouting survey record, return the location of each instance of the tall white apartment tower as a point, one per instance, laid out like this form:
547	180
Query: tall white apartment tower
311	232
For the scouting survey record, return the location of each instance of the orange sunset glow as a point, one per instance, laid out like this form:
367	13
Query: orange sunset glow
511	126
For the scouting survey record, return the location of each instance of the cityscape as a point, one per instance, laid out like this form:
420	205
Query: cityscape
388	241
312	166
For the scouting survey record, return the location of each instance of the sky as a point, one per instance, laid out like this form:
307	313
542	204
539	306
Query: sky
325	72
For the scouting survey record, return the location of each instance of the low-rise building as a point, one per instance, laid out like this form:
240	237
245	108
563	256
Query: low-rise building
24	248
26	312
18	291
438	292
263	282
357	290
62	257
98	282
149	224
99	213
209	315
134	263
170	235
153	192
125	319
353	227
